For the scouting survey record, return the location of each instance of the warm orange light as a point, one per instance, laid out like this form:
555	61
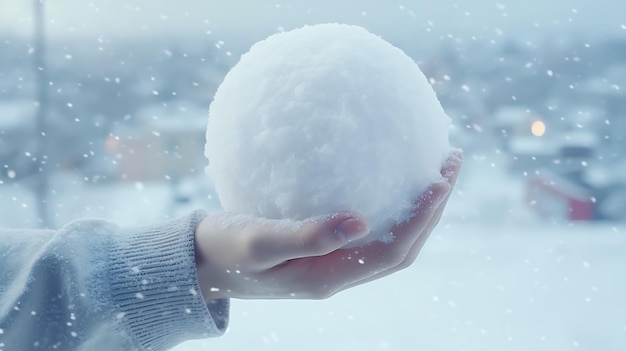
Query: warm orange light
112	144
538	128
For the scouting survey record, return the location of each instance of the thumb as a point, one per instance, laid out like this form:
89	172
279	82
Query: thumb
316	236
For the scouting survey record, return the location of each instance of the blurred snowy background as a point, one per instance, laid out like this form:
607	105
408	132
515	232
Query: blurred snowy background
103	114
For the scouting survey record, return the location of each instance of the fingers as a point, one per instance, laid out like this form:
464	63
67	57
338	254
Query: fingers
450	171
418	228
279	241
405	234
345	267
452	167
413	252
421	240
434	195
424	209
428	209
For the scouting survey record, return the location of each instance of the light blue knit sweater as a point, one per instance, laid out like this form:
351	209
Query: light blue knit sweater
95	286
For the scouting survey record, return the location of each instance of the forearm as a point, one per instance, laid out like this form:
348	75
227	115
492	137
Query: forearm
95	286
154	270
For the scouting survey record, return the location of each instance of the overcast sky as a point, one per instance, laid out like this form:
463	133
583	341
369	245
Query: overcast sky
248	20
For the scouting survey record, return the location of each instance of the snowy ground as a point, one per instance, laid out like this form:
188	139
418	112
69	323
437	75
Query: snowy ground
493	277
473	288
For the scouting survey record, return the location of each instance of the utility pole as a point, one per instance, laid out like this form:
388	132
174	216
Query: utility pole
41	131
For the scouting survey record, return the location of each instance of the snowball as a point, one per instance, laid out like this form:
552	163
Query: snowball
325	119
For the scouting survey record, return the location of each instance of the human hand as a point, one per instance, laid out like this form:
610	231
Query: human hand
241	256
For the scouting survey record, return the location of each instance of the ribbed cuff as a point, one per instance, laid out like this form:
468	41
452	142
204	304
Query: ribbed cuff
154	285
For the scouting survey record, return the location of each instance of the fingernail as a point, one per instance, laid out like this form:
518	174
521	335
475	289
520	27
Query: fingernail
351	229
452	165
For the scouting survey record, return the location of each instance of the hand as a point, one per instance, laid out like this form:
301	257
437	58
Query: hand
241	256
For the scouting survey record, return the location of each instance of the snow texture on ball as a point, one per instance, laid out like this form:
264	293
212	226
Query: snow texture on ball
325	119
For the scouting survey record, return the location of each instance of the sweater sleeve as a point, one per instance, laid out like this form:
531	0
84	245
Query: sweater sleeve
95	286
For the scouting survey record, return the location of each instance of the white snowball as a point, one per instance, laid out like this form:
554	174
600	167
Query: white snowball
324	119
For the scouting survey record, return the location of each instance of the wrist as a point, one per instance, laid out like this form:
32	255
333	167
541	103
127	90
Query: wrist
210	278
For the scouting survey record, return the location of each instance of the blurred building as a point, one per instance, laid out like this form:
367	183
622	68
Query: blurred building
162	143
17	123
